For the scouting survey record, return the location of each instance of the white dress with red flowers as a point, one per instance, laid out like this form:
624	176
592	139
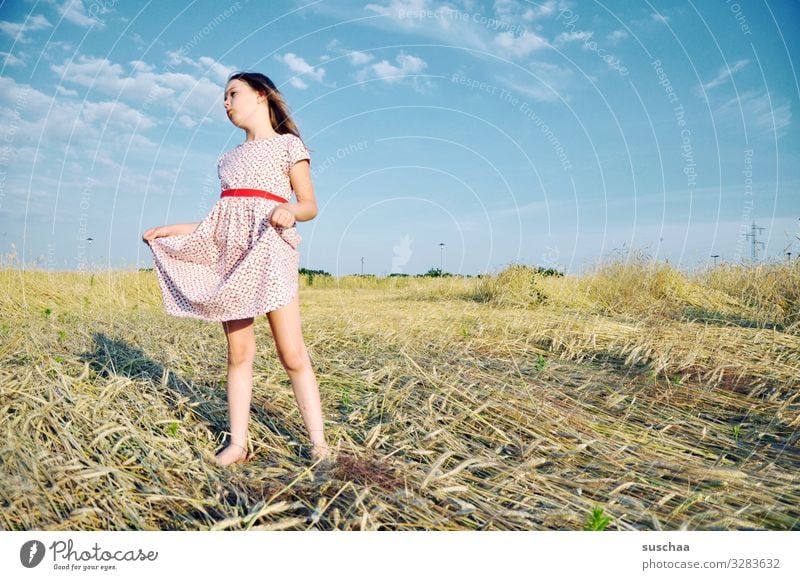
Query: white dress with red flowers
235	264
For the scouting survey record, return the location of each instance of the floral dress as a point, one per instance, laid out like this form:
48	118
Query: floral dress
235	264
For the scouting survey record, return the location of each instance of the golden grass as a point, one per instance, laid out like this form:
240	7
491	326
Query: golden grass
513	401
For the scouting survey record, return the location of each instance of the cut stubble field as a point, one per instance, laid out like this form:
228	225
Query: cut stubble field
635	398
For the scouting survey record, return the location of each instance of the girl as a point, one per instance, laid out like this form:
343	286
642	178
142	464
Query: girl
242	260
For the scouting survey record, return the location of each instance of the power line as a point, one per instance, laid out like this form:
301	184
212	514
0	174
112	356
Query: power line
753	242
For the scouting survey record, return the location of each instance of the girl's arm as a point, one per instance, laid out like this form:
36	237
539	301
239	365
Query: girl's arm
179	229
300	177
165	231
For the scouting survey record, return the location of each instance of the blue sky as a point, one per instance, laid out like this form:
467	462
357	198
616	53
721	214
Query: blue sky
550	133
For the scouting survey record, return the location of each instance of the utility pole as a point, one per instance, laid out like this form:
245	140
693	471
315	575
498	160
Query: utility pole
362	265
441	256
715	256
753	241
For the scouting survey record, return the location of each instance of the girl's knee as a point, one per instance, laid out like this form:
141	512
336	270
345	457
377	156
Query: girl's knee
239	357
295	360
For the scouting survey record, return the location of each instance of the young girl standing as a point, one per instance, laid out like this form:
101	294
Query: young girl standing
242	260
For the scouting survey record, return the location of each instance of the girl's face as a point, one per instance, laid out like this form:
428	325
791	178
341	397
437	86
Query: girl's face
242	103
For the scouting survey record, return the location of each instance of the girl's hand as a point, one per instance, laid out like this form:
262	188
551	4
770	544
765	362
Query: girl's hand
158	232
283	216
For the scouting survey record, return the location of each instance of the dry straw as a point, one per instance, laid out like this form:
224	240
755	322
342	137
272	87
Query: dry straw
516	401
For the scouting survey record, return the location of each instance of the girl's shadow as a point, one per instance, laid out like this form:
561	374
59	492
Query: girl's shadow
113	357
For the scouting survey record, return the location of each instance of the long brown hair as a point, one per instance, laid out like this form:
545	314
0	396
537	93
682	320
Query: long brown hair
279	115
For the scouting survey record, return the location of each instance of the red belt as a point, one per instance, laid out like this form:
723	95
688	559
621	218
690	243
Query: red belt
241	192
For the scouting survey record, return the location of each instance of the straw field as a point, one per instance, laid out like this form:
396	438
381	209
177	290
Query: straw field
632	398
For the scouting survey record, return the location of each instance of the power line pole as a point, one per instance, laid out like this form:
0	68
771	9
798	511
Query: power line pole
753	241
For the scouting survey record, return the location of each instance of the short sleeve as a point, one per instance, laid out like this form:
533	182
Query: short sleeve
297	151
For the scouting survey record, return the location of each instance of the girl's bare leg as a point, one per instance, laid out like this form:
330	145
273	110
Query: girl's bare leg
241	353
287	332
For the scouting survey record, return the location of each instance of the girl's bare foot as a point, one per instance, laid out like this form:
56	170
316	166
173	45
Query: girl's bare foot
320	451
233	453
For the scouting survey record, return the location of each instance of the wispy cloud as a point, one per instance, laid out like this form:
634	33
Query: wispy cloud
575	36
616	36
536	85
765	113
179	92
659	17
519	45
500	31
725	73
75	12
19	30
11	60
402	71
303	69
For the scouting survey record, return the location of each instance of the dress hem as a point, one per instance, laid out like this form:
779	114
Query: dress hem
261	312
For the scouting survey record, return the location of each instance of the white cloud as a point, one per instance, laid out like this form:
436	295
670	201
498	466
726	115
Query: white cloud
521	45
187	121
441	22
359	58
141	66
725	73
115	115
763	112
218	71
355	57
66	92
406	13
400	72
558	79
179	92
566	37
50	123
11	60
205	65
616	36
658	17
298	65
545	9
406	65
75	12
18	30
